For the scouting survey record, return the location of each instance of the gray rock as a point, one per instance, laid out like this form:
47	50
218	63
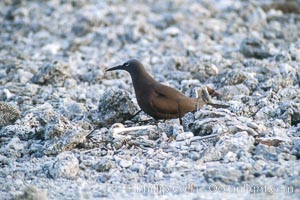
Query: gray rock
54	73
104	178
45	123
104	165
157	175
211	154
4	160
254	47
296	148
8	114
70	140
138	167
233	77
65	165
73	110
18	92
268	152
234	92
15	148
168	129
237	143
125	163
172	31
256	16
42	123
230	157
291	112
295	52
25	76
54	130
202	70
166	20
283	57
99	138
32	193
178	130
293	183
81	27
187	121
228	174
115	106
184	136
209	122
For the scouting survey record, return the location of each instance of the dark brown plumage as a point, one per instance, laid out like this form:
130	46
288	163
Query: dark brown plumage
157	100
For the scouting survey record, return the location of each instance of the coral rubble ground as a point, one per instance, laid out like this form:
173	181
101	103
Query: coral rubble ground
54	91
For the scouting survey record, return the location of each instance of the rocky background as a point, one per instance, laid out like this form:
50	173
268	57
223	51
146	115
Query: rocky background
54	92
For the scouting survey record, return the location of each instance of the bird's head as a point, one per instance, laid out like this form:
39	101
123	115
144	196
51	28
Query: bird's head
129	66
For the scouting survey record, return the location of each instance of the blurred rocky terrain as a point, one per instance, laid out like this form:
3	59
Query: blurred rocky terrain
54	91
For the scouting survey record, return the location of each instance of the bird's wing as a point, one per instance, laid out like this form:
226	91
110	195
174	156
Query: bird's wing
165	99
164	105
167	91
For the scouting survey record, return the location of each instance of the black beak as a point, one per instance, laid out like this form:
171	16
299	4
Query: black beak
114	68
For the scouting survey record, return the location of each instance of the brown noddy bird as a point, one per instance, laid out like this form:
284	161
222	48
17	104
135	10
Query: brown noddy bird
158	100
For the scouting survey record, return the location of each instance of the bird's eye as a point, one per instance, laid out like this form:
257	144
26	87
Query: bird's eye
126	64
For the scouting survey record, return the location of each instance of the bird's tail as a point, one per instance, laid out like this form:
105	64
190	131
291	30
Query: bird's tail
218	105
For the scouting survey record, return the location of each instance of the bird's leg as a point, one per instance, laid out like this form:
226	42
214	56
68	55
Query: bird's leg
89	135
138	112
179	114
